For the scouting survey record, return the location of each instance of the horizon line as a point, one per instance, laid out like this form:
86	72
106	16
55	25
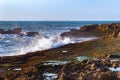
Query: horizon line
55	20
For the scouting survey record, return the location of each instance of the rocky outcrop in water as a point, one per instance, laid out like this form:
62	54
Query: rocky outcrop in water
13	31
32	33
18	31
107	31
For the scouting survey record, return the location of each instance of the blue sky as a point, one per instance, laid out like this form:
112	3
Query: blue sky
60	10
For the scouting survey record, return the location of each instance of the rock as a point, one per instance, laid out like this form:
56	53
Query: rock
13	31
2	31
32	33
113	65
92	66
104	27
61	76
80	78
118	74
17	30
107	31
89	28
97	70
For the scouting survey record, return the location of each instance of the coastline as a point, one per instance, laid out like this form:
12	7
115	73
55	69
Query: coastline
102	49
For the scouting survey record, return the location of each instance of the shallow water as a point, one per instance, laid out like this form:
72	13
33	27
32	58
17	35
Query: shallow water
53	63
49	76
82	58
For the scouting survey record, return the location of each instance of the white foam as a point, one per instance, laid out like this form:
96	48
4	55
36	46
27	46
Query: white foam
115	69
44	43
49	76
64	51
114	60
17	69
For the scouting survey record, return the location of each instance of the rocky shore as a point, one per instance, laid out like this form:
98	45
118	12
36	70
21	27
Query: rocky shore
104	30
97	59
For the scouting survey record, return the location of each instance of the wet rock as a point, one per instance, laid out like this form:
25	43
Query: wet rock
14	31
17	30
2	31
115	55
32	33
11	31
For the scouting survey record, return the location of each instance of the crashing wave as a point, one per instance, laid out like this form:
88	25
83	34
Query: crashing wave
21	45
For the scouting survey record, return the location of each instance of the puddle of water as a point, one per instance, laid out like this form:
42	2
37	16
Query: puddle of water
49	76
64	51
114	60
115	69
115	55
82	58
53	63
17	69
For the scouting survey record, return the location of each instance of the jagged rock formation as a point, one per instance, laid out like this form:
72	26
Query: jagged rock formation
107	31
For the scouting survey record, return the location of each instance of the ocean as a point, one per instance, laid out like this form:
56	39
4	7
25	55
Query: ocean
13	44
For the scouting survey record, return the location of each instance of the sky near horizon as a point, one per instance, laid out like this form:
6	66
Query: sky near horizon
60	10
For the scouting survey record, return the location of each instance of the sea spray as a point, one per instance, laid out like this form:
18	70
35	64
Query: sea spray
27	44
43	43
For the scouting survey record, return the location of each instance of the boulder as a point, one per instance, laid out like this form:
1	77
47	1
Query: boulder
32	34
13	31
2	31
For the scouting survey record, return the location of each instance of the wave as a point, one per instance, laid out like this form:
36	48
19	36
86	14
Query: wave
43	43
12	44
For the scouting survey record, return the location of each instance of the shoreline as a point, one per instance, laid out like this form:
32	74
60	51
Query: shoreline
102	53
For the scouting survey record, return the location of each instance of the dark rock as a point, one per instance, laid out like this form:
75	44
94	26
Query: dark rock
32	33
89	28
13	31
17	30
115	56
1	78
2	31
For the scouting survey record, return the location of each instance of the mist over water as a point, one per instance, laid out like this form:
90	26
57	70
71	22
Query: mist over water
12	44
